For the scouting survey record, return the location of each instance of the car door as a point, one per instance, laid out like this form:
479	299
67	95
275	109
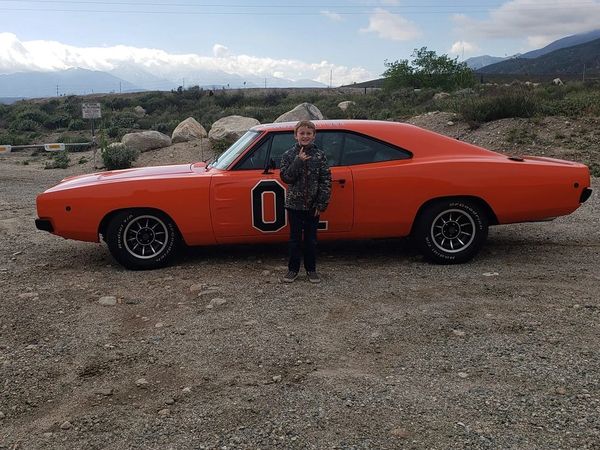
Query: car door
380	197
247	201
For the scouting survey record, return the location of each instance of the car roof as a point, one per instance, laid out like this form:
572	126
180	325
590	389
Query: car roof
339	124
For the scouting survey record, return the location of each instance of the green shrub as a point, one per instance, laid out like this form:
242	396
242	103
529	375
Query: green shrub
480	110
25	125
60	160
77	124
57	121
118	156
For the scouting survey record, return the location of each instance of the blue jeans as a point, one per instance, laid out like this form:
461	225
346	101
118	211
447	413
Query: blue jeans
303	222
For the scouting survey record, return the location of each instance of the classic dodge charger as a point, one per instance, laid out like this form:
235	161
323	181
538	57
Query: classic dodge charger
389	180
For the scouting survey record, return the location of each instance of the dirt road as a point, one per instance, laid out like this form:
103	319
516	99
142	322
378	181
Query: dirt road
215	352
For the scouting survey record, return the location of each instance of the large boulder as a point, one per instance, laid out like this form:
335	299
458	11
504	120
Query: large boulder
188	130
345	105
304	111
146	140
231	128
441	96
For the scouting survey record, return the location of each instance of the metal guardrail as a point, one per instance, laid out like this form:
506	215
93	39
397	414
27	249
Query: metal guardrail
54	147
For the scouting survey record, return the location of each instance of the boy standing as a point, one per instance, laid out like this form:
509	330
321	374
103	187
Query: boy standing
304	168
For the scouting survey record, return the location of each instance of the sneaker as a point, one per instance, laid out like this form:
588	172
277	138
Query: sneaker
290	277
313	277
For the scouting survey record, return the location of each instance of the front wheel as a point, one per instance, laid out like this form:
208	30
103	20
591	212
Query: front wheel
451	231
142	239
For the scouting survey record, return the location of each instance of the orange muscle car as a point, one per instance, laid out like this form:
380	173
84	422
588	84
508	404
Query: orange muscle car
388	180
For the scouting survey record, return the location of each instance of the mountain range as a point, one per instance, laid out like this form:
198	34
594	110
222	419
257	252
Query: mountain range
478	62
77	81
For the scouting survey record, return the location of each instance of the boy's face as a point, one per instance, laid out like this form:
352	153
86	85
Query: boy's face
305	136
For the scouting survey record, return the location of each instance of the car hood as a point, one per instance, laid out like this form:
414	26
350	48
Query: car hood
127	174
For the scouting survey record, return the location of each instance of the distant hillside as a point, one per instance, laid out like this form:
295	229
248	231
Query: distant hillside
477	62
568	61
66	82
569	41
9	100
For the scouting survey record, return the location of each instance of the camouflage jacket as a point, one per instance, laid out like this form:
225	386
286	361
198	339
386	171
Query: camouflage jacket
309	181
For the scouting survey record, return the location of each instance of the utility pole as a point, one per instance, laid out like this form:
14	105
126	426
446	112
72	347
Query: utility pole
120	90
583	72
183	84
265	82
57	90
330	78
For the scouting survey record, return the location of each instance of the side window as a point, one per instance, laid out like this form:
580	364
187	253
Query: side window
362	150
281	143
257	158
331	143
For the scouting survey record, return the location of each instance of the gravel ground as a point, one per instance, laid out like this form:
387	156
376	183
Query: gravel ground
215	352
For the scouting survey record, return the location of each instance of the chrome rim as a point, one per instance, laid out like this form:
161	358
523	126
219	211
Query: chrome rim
145	237
453	230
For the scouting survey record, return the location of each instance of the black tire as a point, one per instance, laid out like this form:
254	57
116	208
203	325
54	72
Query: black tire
141	239
451	231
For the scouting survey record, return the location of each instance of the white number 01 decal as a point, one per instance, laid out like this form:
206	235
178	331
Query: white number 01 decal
279	221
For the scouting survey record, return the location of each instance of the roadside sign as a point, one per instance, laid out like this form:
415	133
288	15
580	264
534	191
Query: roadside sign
5	149
91	110
54	147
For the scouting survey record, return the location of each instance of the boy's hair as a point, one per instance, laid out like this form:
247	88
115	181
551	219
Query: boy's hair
305	123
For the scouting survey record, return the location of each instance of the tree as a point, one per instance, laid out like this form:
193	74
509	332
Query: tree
428	70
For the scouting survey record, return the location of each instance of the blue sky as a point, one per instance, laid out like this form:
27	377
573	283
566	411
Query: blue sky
293	40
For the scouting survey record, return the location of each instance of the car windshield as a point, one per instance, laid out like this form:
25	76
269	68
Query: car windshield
236	149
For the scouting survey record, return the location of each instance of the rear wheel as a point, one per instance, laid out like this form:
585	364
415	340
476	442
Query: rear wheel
451	231
142	239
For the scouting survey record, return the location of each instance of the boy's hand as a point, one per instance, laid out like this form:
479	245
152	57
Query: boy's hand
302	155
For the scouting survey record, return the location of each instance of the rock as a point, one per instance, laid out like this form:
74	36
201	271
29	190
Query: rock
345	105
558	82
208	292
146	140
465	92
277	378
304	111
463	374
2	415
141	383
186	390
159	325
169	401
216	302
490	274
108	300
66	425
139	111
250	323
231	128
400	433
188	130
441	96
104	391
196	288
164	412
561	391
265	273
27	295
458	332
450	123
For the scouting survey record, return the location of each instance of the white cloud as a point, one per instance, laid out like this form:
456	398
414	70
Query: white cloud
220	51
391	26
332	15
463	48
20	56
538	22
